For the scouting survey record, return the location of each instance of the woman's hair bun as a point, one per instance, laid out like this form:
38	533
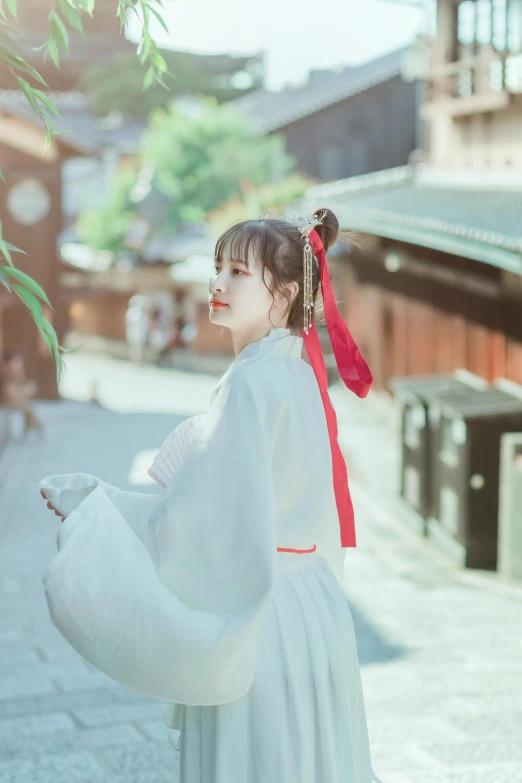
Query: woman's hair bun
328	230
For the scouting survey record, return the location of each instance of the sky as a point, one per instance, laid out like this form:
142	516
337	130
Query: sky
297	35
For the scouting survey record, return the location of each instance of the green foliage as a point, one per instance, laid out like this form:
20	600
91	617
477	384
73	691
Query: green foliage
105	227
211	166
202	162
275	195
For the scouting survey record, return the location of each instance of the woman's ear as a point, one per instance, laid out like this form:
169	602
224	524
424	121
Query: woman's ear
293	290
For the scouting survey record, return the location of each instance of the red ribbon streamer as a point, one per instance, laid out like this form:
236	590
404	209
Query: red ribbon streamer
355	374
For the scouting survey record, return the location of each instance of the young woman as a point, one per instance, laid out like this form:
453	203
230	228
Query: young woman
223	596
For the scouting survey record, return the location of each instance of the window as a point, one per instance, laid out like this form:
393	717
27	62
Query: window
330	161
483	21
514	26
466	23
499	25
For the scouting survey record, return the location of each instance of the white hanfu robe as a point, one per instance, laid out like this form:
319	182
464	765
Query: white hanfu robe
184	597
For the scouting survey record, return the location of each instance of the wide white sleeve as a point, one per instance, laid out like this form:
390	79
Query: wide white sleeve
181	624
67	490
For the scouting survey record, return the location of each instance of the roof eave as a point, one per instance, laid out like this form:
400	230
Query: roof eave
414	235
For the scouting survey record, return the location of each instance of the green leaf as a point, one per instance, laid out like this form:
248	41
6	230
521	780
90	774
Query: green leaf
29	283
28	92
59	31
49	328
48	340
72	15
87	5
48	102
143	50
2	177
148	78
30	300
34	73
159	18
9	28
47	119
13	247
4	278
158	62
19	63
51	340
5	251
72	350
146	18
11	4
53	52
12	46
160	81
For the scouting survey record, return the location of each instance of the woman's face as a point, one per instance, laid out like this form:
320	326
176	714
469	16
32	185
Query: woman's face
250	308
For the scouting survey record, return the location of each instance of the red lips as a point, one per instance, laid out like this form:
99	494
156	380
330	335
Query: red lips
217	304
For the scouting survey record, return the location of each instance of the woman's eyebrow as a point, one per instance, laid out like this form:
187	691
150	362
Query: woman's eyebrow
236	261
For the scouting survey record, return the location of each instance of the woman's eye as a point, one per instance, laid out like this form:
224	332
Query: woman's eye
216	270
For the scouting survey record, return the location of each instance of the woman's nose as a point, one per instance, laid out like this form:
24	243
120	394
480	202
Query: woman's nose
216	285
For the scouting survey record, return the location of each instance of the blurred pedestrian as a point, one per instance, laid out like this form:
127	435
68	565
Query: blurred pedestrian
16	390
137	327
160	331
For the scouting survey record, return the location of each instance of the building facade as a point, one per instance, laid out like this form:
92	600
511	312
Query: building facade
433	279
335	124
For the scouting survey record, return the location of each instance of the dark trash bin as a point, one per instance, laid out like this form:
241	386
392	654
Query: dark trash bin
465	434
416	451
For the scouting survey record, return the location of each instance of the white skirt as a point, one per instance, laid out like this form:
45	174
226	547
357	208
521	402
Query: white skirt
303	720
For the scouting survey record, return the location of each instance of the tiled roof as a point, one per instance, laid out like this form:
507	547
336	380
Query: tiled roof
480	223
271	110
76	115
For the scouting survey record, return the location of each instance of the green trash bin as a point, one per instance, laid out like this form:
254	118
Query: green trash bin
416	469
510	507
465	438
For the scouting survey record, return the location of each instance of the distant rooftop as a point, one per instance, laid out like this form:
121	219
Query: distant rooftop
271	110
88	131
409	204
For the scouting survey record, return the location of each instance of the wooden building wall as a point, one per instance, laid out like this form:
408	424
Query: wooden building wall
368	132
40	261
409	326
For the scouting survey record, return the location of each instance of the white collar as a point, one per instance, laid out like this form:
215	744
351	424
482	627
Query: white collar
279	340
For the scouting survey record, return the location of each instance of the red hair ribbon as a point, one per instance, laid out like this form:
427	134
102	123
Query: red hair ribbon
355	374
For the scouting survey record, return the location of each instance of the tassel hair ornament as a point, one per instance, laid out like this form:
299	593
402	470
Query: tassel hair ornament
305	226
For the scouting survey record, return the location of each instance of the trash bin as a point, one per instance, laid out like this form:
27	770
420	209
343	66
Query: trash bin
465	440
510	507
416	451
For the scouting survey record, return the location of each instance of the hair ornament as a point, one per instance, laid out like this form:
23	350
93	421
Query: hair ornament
305	225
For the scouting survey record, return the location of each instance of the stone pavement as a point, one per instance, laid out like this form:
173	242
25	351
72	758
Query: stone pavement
441	661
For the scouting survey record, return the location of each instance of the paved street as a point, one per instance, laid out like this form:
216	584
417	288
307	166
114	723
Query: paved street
441	660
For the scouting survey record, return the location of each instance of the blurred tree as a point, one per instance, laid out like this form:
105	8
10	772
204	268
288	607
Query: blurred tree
106	228
200	163
274	195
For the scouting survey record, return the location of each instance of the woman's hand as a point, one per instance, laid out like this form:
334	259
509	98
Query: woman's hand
50	505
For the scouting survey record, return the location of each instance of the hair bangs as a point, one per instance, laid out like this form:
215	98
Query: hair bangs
244	237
